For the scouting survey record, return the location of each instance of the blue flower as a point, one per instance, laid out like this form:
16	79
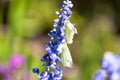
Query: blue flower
36	70
110	65
114	76
100	75
54	47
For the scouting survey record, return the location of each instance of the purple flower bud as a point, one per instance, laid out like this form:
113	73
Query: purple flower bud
43	76
36	70
16	61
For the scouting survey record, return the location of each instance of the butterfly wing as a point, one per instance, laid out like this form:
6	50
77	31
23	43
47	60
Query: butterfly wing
70	30
66	58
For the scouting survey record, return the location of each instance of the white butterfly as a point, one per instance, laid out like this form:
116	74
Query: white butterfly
70	30
66	58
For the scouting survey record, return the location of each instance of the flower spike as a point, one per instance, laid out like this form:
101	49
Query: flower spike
60	36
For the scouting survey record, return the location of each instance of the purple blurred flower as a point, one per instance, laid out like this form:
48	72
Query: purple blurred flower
110	66
4	75
100	75
16	61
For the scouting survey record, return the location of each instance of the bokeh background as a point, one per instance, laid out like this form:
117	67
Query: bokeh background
24	25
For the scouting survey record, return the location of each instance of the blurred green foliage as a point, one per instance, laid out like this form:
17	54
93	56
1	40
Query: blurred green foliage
25	24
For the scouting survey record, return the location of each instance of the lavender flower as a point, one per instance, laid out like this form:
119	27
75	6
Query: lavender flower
16	61
110	68
100	75
4	75
57	44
